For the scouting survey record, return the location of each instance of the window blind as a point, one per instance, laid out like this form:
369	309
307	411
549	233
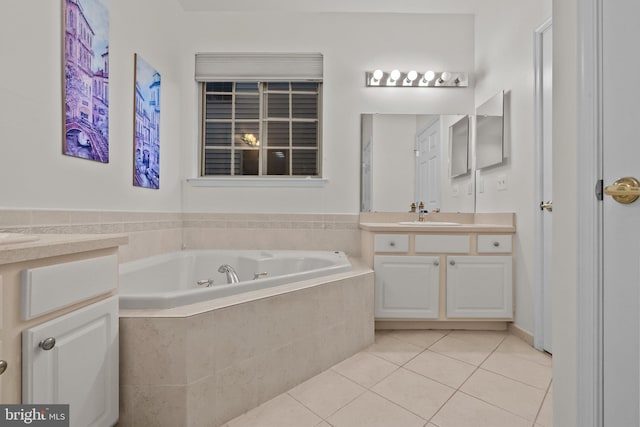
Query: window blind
258	67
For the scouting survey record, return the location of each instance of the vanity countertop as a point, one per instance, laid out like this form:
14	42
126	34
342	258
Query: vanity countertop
49	245
462	228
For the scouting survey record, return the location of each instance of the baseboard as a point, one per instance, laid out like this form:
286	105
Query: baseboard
427	324
520	333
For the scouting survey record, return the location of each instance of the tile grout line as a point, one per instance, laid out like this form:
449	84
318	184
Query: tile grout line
514	379
542	403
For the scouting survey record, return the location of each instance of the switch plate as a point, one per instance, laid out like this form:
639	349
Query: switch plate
455	190
480	185
470	189
502	182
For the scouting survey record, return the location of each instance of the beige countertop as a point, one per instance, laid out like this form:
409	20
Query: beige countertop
49	245
463	228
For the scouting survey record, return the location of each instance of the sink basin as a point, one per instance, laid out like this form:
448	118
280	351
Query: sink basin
429	223
10	238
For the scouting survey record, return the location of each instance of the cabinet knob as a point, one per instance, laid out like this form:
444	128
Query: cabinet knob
47	344
452	262
3	366
436	263
496	244
392	244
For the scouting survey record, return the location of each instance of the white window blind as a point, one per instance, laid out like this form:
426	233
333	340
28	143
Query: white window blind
258	67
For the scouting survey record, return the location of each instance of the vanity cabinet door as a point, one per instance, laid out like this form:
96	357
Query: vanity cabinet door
406	287
479	287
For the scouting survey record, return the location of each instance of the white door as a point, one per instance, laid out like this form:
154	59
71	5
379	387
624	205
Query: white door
428	166
406	286
73	359
621	227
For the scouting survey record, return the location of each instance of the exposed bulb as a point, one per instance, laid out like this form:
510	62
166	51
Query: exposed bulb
412	75
377	75
428	76
395	75
445	76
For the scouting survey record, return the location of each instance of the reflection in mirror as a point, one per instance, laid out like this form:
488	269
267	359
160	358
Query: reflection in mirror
459	147
490	131
405	159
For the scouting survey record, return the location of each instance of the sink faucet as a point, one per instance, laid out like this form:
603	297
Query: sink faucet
232	276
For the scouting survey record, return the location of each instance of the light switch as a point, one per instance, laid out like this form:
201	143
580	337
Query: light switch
480	185
455	190
502	182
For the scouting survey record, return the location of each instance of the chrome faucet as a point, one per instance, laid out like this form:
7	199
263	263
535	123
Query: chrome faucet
232	276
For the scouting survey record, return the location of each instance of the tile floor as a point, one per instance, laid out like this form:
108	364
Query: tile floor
421	379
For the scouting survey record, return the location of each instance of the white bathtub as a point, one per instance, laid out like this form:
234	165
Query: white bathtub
170	280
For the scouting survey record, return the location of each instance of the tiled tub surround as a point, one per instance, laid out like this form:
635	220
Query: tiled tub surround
206	363
153	233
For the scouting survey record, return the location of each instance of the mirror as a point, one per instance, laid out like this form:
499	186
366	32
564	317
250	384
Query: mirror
490	132
411	158
459	148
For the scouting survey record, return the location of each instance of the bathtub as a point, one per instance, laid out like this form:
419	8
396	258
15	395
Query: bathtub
171	280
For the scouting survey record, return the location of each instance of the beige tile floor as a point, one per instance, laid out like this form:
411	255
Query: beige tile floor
421	379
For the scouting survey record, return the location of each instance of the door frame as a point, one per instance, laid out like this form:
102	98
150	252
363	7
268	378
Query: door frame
589	330
538	323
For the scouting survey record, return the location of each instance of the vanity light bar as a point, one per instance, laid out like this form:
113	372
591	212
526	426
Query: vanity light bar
412	78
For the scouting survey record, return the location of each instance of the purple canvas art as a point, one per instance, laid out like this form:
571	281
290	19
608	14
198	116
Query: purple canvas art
146	147
86	79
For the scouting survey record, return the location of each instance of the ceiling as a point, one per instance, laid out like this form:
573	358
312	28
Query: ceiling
345	6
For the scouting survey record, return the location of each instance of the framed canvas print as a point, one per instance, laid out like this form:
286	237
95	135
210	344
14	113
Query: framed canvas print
146	125
86	79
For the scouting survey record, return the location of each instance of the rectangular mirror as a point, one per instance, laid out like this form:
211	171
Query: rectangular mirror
490	132
459	148
407	158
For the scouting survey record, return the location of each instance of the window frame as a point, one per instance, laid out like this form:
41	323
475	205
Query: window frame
263	121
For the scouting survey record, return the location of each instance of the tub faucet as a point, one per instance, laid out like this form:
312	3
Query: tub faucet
232	276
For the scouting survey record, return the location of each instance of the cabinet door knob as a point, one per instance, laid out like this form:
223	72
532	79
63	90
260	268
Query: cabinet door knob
436	263
496	244
47	344
3	366
452	262
392	244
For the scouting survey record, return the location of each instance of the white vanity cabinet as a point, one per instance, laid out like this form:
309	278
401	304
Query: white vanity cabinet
479	287
407	286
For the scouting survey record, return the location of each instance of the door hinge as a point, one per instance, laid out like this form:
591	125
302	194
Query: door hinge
599	186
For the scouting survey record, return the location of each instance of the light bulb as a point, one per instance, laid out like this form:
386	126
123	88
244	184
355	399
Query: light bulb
395	75
412	75
445	76
428	76
377	75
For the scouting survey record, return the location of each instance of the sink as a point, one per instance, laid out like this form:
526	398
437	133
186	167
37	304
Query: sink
10	238
429	223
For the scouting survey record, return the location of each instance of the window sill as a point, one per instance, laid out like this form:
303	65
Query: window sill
308	182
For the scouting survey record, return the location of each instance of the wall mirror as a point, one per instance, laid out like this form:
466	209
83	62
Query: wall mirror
410	158
490	132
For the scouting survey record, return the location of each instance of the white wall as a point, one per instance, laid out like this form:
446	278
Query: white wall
565	214
351	44
504	61
33	172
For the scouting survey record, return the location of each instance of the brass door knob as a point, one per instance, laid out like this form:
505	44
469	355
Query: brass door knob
3	366
625	190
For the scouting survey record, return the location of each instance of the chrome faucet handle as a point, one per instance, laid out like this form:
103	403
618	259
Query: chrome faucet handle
205	282
258	275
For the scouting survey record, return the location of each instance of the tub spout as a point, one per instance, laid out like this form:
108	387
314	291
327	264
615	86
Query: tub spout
232	276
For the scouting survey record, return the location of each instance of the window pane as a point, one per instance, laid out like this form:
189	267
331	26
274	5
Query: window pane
277	162
247	107
304	86
247	134
278	105
305	106
219	106
217	135
278	86
305	134
217	162
246	162
247	87
305	162
219	87
278	135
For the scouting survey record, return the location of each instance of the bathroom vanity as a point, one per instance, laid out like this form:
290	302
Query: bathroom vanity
455	270
59	324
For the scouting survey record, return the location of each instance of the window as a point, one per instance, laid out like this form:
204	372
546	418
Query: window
261	114
253	128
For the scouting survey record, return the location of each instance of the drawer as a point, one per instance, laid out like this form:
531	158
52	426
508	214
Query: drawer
500	243
439	243
391	243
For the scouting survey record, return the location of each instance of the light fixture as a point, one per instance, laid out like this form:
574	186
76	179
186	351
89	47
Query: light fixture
397	78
